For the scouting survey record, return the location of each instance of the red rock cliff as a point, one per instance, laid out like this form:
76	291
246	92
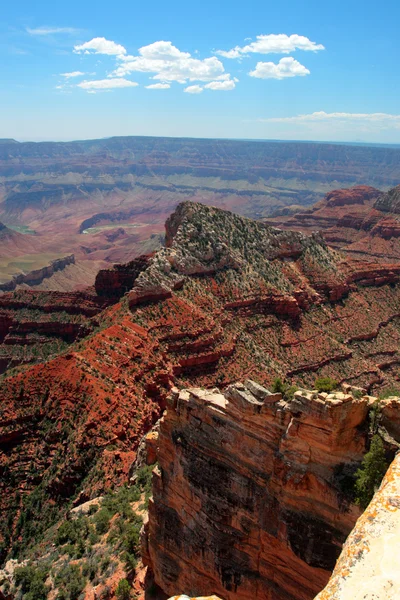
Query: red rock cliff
245	500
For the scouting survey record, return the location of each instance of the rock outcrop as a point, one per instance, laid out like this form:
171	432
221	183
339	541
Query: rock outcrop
115	282
36	277
247	501
362	221
389	202
368	567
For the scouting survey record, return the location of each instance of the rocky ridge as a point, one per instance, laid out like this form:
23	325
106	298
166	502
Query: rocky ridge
34	278
362	220
228	299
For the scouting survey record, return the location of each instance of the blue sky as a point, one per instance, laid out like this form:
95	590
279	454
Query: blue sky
259	69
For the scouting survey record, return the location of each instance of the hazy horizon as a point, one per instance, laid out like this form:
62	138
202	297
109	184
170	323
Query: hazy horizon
233	139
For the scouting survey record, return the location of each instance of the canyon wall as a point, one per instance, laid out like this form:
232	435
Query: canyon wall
368	567
36	276
247	495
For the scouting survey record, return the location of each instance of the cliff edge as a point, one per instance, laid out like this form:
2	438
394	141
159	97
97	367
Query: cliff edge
368	567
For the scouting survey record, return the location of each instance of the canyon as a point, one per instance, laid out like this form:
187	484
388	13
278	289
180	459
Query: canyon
362	221
228	299
249	491
105	201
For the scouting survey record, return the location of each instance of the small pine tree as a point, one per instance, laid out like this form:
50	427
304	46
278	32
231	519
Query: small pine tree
123	591
278	387
371	472
325	384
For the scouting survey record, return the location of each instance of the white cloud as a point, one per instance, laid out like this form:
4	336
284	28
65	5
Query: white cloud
193	89
100	45
273	44
221	85
287	67
158	86
51	30
380	119
162	51
107	84
72	74
168	63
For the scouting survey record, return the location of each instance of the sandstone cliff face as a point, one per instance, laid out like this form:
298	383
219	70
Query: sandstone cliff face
115	282
368	567
246	503
361	220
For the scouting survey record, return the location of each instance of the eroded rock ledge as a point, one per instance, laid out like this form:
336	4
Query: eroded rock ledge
246	503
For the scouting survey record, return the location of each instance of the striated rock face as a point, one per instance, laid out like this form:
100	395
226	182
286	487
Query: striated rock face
246	503
356	195
37	276
389	202
361	220
34	325
368	567
120	279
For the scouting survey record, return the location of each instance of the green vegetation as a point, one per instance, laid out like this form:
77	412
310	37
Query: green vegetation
360	484
70	582
325	384
31	581
102	521
70	532
388	393
375	413
123	591
287	391
371	472
97	542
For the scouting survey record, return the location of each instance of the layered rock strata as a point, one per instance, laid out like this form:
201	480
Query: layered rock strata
362	221
246	501
33	278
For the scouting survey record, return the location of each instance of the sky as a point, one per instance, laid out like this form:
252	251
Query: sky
294	70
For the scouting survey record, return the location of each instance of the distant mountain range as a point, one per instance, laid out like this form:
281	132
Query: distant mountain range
105	201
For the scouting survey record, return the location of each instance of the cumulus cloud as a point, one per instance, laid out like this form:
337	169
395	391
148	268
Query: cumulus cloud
380	119
227	85
51	30
287	67
72	74
107	84
168	63
158	86
193	89
100	45
273	44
